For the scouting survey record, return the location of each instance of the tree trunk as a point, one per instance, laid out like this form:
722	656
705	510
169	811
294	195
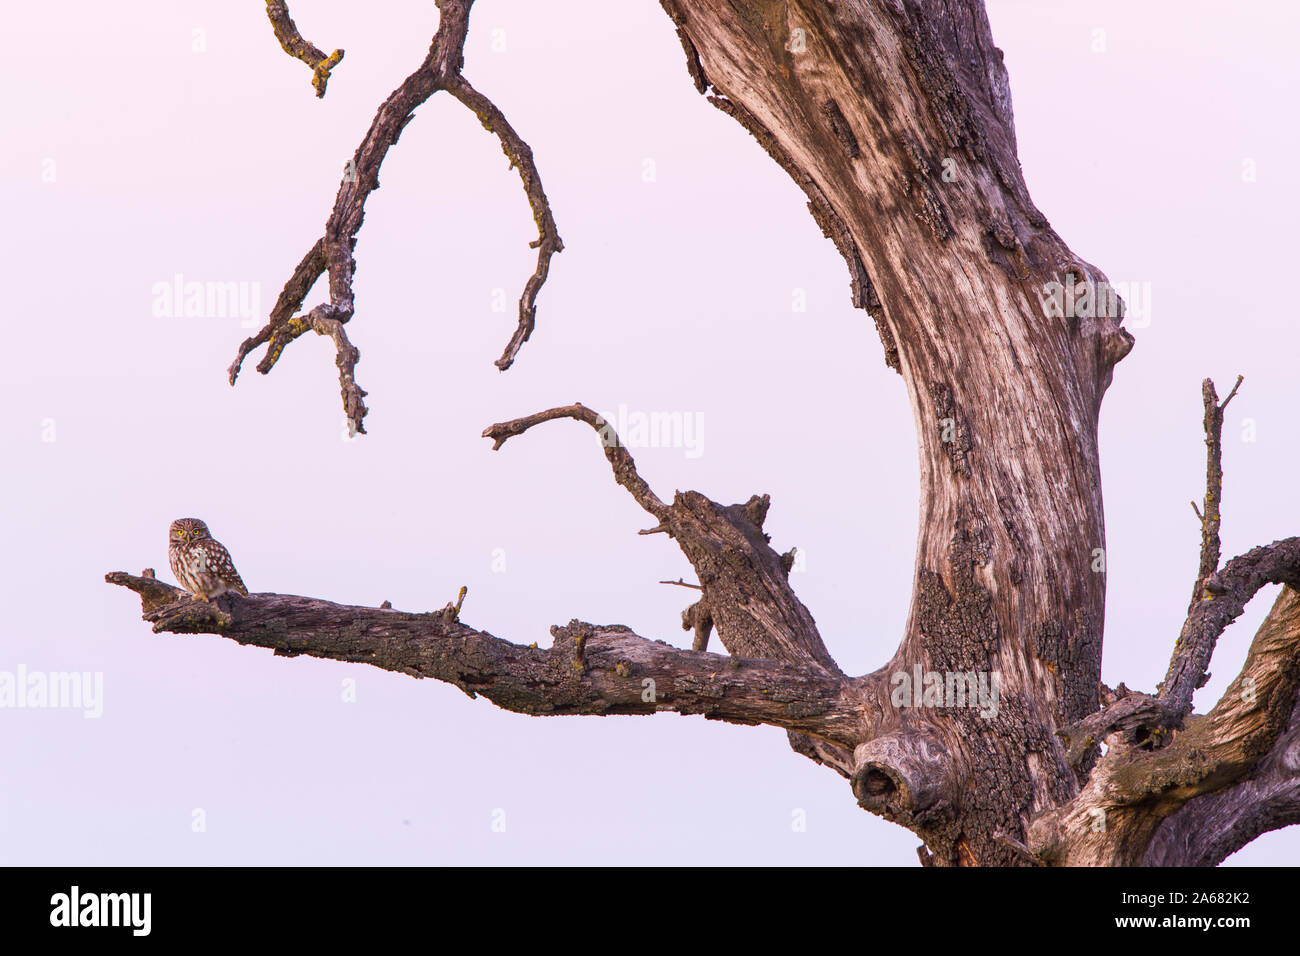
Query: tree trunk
898	125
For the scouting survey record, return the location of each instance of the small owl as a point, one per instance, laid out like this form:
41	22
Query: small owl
200	562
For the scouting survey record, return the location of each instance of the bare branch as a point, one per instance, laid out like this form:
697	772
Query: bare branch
745	582
1224	404
1218	599
1226	594
1211	517
589	669
1249	721
683	584
332	253
548	240
620	459
1150	773
296	46
290	300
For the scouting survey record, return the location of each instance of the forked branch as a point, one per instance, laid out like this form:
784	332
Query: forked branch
745	582
332	253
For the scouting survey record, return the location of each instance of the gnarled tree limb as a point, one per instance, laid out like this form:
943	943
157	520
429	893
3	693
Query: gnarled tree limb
332	253
589	668
745	581
1227	592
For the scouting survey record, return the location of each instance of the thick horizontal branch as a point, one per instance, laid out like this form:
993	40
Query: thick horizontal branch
589	669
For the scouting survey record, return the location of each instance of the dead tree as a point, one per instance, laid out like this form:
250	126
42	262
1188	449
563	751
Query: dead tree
894	116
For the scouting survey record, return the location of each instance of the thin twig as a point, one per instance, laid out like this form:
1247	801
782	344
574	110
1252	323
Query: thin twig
1240	379
746	587
620	460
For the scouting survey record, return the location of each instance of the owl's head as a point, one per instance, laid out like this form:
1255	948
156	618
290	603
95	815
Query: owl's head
186	530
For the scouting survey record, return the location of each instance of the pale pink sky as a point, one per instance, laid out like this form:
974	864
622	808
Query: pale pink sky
672	295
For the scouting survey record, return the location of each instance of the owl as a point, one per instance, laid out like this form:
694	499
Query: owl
200	562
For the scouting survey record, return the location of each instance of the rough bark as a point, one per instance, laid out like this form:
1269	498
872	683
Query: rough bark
588	669
868	107
895	119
